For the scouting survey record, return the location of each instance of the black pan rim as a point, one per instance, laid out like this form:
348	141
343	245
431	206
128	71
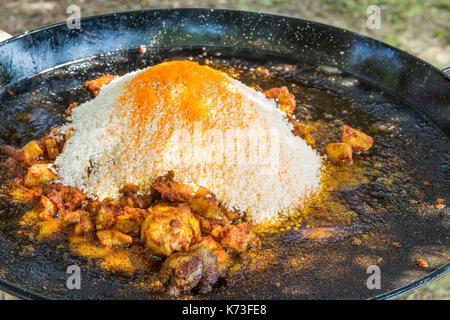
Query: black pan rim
443	123
437	273
396	293
128	12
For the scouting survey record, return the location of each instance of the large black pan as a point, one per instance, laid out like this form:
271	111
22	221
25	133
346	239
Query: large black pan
391	84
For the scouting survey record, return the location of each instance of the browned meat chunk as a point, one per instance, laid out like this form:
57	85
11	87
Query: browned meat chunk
212	227
173	191
38	175
59	136
51	148
231	215
221	254
64	197
24	194
168	228
210	267
130	198
358	140
95	85
183	270
91	206
112	238
204	203
303	130
130	187
196	268
16	154
201	201
105	214
239	237
45	209
81	219
284	99
129	220
339	153
32	151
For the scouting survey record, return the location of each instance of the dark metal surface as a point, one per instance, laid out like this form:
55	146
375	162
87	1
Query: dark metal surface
416	83
412	79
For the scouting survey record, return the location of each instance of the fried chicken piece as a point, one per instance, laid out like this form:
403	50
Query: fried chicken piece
231	214
183	270
239	237
215	226
45	209
135	201
23	194
210	267
129	220
339	153
91	206
284	99
130	197
303	130
196	268
201	201
38	175
212	227
169	228
51	148
95	85
358	140
59	136
82	220
173	191
106	212
221	254
112	238
204	203
64	197
32	151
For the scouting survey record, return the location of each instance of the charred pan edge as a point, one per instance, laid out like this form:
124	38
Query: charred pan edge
439	272
20	292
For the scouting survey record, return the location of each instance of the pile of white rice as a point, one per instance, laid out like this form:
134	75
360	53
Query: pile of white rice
247	156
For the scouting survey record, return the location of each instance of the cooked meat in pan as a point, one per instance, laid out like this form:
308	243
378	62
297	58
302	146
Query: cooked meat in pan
141	165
